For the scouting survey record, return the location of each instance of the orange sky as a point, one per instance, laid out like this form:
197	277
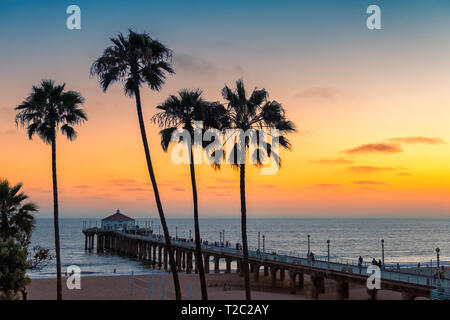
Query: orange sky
349	102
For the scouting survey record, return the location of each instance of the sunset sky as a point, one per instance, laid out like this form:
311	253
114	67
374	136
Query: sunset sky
372	107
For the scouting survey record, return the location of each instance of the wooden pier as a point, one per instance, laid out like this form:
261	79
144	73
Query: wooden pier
152	248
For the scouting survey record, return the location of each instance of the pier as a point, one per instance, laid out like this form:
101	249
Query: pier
148	247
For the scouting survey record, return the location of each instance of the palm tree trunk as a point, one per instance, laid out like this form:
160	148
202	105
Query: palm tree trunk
198	247
244	234
173	266
56	221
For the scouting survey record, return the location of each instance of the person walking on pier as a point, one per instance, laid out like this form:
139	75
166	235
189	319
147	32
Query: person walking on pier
360	262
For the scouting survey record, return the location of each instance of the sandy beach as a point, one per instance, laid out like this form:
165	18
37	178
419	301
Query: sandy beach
220	287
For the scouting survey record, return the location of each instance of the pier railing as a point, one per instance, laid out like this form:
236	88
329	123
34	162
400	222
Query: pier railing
335	264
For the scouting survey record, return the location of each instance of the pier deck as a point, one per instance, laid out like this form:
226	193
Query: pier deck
153	249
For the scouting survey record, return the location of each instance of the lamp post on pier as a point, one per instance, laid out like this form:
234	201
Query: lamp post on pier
223	236
309	245
438	272
220	236
382	253
190	234
259	241
176	233
328	244
264	243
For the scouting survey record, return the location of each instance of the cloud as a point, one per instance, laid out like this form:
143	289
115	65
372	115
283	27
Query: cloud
129	185
416	140
238	69
404	174
168	183
6	110
137	189
369	169
227	181
122	182
222	194
193	64
81	186
332	161
39	190
376	148
10	132
368	182
232	187
318	92
326	185
197	65
178	189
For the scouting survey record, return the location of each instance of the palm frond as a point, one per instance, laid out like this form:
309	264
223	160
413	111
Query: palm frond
166	137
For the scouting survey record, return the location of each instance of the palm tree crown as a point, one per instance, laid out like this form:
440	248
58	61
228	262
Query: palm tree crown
258	113
134	60
49	108
181	111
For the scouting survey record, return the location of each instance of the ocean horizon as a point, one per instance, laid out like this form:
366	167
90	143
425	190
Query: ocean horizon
407	241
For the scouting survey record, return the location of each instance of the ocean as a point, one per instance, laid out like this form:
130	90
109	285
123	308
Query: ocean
406	241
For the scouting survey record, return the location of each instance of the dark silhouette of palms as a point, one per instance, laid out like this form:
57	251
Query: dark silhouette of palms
16	219
47	110
181	112
257	113
136	60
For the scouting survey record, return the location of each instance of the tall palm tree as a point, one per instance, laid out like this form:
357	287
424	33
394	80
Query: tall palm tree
181	112
136	60
47	110
257	113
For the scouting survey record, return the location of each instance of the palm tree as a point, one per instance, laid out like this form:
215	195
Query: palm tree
136	60
17	222
44	112
257	113
181	112
16	219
